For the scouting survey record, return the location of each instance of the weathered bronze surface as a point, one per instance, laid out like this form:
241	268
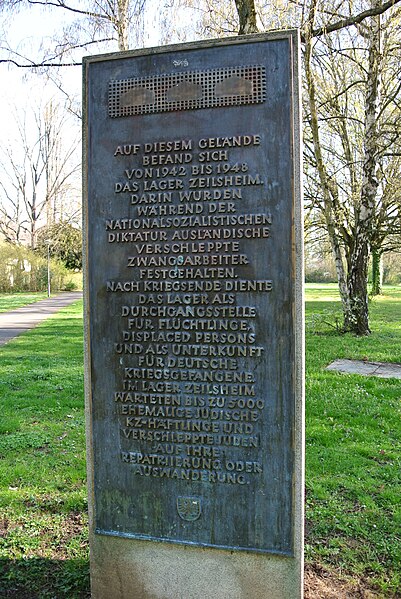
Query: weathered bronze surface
191	294
187	90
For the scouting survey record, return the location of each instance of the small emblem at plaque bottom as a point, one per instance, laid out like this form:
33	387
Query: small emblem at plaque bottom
189	508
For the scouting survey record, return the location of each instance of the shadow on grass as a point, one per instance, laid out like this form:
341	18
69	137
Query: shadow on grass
39	578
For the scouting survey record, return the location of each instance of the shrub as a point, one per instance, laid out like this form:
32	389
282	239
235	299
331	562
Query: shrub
70	286
64	243
319	275
21	269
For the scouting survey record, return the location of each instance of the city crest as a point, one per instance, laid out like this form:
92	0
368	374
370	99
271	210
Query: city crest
189	508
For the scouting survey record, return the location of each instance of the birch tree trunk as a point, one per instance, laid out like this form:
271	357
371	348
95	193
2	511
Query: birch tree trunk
353	243
122	24
332	210
358	320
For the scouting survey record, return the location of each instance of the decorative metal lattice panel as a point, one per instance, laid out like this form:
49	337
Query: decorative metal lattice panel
187	91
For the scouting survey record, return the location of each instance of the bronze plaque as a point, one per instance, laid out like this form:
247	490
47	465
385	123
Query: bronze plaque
191	292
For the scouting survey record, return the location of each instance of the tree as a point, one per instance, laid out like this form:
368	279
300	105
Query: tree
99	24
386	236
352	114
353	126
37	175
247	16
63	241
13	219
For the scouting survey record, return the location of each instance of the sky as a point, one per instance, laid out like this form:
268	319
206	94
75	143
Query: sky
31	28
26	32
21	91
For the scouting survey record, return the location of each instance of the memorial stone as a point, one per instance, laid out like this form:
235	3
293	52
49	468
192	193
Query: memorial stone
194	320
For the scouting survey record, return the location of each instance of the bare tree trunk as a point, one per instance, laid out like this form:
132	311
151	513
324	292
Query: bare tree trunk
247	16
356	241
358	274
33	219
377	272
122	24
329	191
357	320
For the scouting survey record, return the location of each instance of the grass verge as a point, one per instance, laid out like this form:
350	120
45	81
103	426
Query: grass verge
43	536
11	301
353	432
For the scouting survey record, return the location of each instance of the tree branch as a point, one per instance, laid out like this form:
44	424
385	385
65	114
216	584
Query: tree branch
70	8
355	20
37	65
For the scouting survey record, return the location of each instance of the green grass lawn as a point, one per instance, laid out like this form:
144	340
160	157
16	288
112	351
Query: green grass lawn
43	536
10	301
353	431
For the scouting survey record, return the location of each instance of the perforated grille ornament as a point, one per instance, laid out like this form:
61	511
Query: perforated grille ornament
187	91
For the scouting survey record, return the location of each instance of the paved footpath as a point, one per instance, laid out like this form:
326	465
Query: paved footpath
19	321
